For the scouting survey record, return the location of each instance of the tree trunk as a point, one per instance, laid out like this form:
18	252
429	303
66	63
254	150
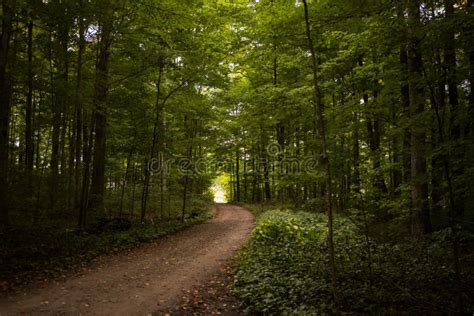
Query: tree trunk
29	146
60	81
189	153
319	116
356	156
470	8
453	98
404	95
185	197
158	108
86	170
266	169
421	222
373	130
78	110
124	180
266	178
101	88
134	186
245	178
457	201
237	175
254	181
5	108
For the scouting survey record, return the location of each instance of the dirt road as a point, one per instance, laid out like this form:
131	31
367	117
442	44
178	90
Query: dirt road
148	279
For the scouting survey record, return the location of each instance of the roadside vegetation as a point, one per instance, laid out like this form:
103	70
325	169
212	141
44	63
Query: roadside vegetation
284	269
41	253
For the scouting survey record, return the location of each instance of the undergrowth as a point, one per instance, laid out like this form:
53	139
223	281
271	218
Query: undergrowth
284	270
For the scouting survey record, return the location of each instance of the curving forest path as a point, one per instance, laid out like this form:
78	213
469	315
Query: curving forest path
150	279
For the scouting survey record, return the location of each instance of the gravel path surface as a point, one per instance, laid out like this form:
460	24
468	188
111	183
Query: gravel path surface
146	280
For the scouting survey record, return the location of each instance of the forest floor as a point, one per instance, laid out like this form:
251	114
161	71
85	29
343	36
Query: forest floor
185	273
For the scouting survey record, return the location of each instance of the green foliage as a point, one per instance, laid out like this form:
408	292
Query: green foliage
284	270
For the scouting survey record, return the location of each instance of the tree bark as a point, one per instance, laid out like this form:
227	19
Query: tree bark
470	9
453	98
356	156
420	221
186	179
237	175
79	129
5	108
101	88
29	146
60	81
159	105
319	115
125	177
404	94
373	130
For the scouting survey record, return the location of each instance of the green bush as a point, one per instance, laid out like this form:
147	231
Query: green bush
284	270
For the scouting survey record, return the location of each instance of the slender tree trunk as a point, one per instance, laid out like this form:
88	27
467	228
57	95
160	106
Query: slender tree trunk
450	62
396	158
237	174
124	180
79	129
55	133
186	176
162	193
404	94
59	79
453	98
86	170
438	100
29	146
64	131
245	178
185	197
254	181
158	112
38	133
470	9
266	178
319	115
266	169
453	212
71	164
421	222
356	156
64	89
5	108
457	202
134	186
101	88
373	129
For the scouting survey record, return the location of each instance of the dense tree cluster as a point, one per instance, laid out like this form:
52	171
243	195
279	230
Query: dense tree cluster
93	92
379	92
